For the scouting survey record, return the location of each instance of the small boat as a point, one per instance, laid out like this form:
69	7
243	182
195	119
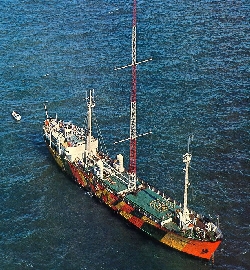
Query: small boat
16	115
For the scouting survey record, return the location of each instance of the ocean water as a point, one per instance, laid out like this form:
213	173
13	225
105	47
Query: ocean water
198	83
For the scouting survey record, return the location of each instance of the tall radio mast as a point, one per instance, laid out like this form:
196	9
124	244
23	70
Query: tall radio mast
133	135
132	155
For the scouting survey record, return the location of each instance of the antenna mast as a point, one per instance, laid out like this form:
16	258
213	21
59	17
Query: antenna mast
90	105
133	136
132	155
186	159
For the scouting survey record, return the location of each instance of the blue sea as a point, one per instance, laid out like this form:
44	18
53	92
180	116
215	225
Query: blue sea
197	84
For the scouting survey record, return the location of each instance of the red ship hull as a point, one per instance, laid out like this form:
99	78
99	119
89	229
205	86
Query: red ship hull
197	248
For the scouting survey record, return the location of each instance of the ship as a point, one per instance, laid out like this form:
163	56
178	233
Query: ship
76	151
16	115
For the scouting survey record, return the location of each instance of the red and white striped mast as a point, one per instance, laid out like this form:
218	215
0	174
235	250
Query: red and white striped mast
132	155
132	138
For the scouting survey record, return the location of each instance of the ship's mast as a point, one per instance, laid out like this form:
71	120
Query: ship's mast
186	159
90	105
133	136
132	156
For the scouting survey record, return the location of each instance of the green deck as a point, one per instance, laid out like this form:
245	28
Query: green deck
147	200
